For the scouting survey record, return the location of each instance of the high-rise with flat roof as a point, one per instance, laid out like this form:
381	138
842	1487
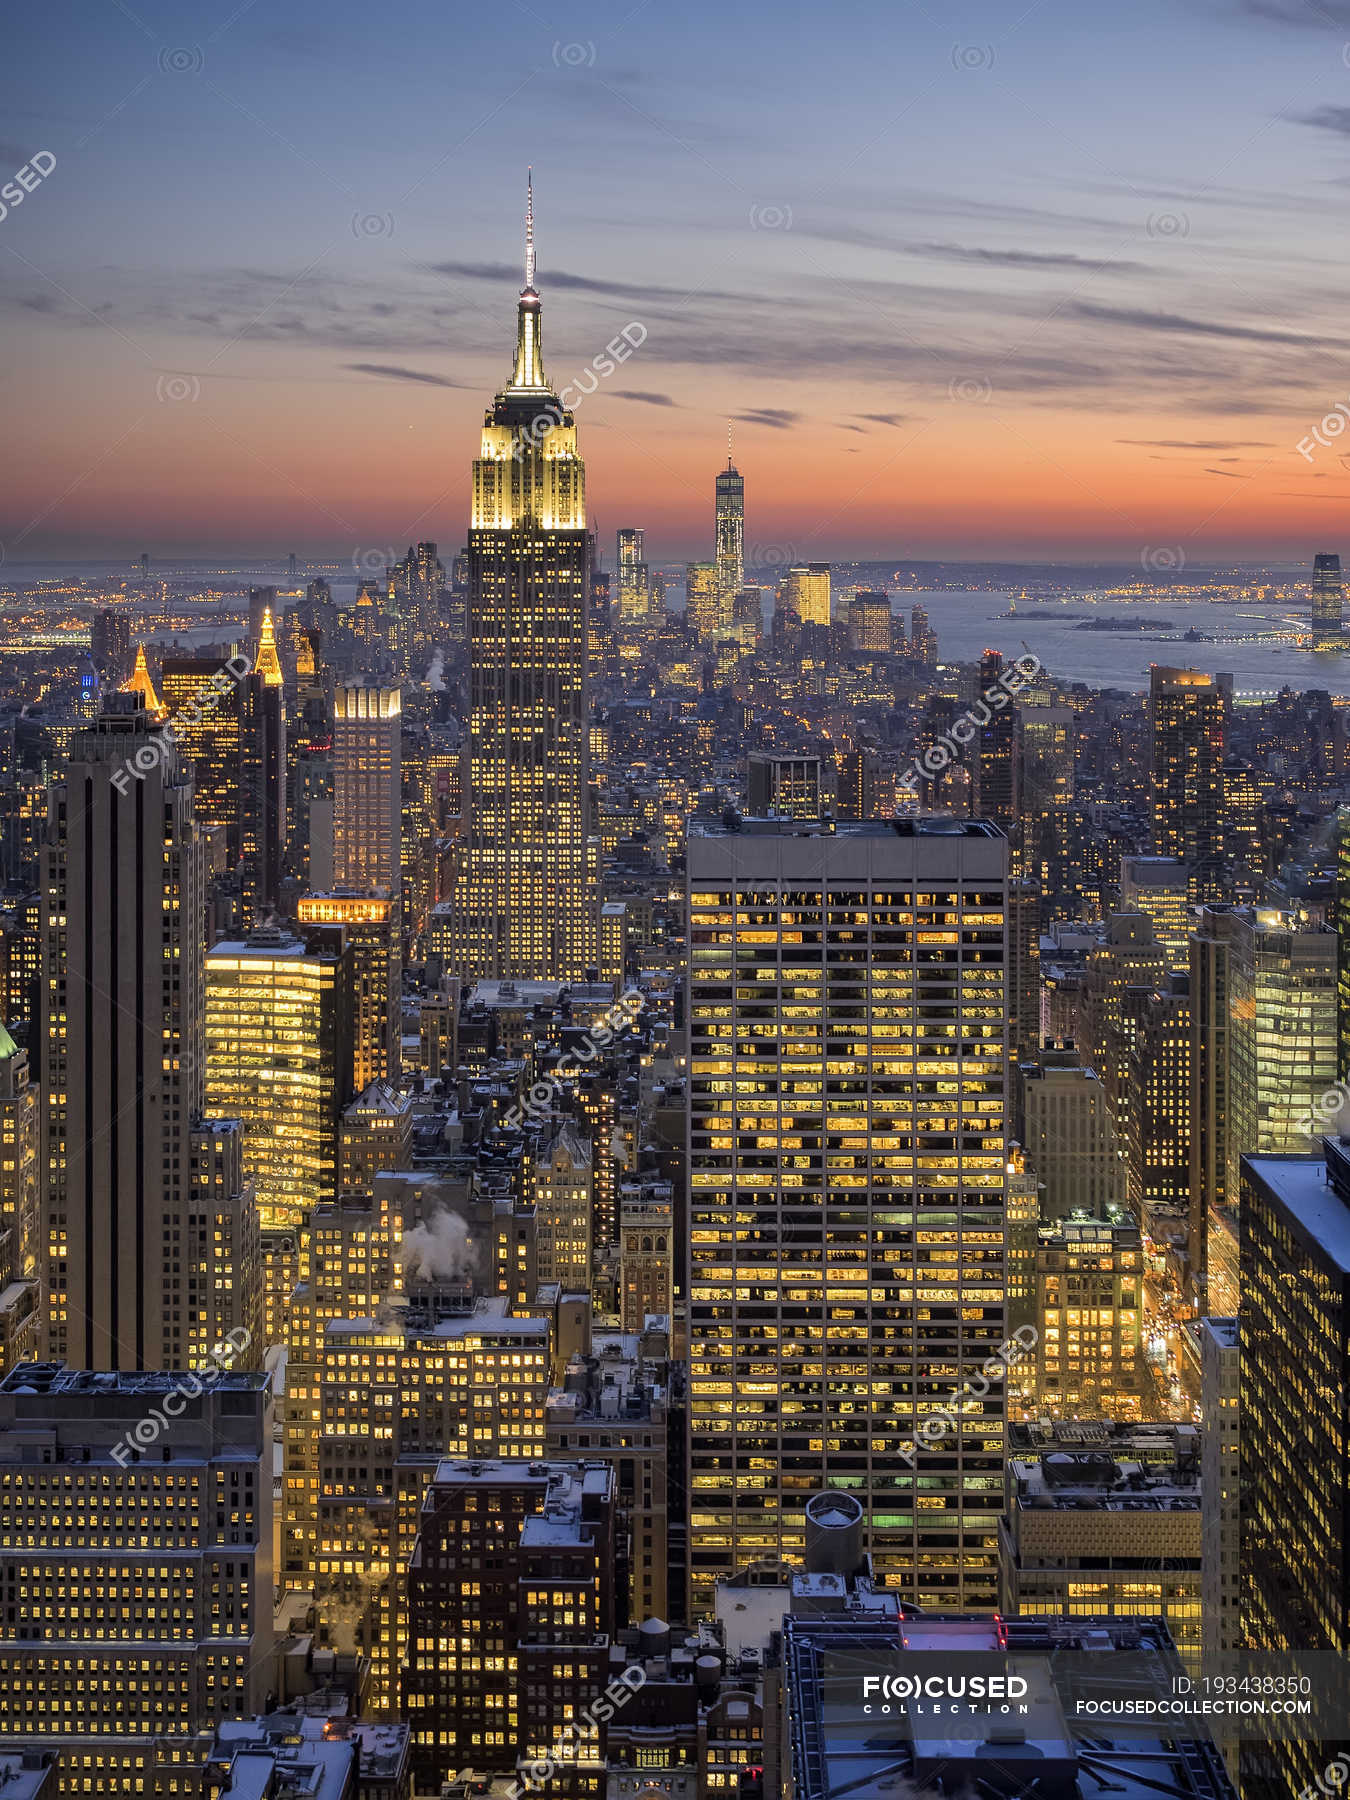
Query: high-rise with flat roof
1070	1136
1218	1346
122	1045
869	623
634	577
136	1534
1157	886
370	928
702	610
1295	1458
510	1620
367	789
278	1058
1186	718
806	590
1328	599
848	1064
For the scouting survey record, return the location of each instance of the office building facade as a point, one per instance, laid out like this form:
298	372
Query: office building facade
848	1020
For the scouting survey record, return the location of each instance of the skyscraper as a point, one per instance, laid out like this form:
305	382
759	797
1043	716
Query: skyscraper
279	1058
634	579
141	1535
807	593
1263	1052
1158	887
122	1025
20	1293
206	728
997	792
369	923
1327	601
1186	717
526	898
549	1528
729	535
869	623
262	746
367	788
702	603
418	581
846	1169
1295	1348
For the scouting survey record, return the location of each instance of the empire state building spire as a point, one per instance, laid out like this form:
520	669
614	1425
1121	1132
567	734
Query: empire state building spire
529	230
529	370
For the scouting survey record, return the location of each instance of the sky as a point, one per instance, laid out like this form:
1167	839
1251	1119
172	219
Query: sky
971	281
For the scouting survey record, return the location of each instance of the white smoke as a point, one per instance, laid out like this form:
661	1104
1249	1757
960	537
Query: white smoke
434	679
438	1249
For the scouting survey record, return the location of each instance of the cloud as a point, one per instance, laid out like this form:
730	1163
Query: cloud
1139	319
1328	118
565	282
776	416
1314	14
392	372
885	418
1023	259
1198	443
646	399
1229	473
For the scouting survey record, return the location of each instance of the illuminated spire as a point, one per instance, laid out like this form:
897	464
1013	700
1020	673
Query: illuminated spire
529	230
730	464
268	663
529	370
140	683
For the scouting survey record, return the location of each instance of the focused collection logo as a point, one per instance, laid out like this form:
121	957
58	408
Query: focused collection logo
970	1691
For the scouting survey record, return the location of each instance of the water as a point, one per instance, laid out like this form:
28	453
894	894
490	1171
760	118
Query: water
968	623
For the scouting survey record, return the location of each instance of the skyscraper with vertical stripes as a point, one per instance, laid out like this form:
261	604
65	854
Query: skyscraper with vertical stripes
525	898
848	1021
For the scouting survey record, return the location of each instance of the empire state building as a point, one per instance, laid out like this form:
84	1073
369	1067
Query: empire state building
525	899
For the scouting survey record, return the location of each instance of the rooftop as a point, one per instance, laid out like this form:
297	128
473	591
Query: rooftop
57	1379
1301	1186
27	1774
839	1748
1223	1331
937	825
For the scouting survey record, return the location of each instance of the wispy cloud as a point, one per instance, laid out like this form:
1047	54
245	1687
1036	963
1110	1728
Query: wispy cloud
1328	118
1024	259
646	399
393	372
565	282
1199	443
776	416
1137	318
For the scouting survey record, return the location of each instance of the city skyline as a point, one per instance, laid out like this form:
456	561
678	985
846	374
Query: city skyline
1122	343
674	992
